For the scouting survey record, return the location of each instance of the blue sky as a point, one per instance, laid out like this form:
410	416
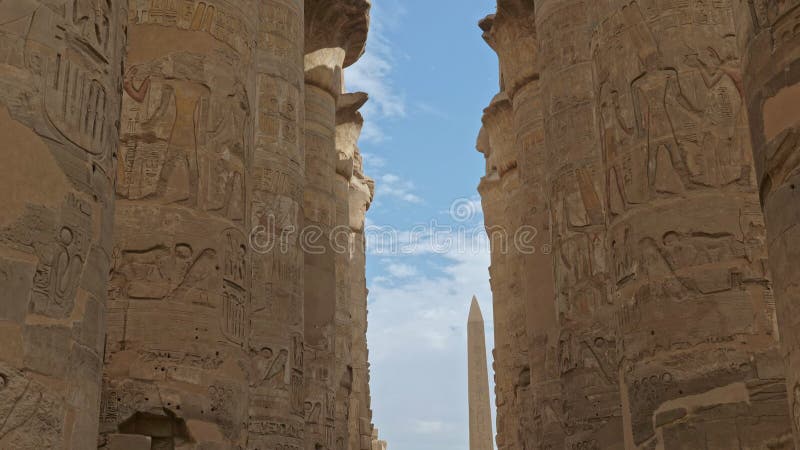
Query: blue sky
429	75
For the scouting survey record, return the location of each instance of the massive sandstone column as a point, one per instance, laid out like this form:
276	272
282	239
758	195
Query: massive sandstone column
335	32
501	195
511	33
60	80
769	34
180	351
480	413
686	238
361	193
587	348
348	129
276	417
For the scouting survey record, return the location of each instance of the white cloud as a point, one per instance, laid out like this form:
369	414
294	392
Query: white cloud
428	426
417	339
372	162
396	187
373	74
397	270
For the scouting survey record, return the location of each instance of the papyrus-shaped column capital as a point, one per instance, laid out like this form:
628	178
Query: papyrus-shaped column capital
349	122
499	132
335	38
511	33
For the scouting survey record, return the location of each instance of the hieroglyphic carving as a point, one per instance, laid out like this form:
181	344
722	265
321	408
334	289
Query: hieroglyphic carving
164	272
59	272
220	19
59	72
235	289
181	286
768	34
182	142
278	116
77	96
674	141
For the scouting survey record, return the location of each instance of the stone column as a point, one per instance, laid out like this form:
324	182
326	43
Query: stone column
502	195
377	443
586	351
511	33
277	393
768	34
361	193
480	413
686	238
178	348
60	81
348	129
335	32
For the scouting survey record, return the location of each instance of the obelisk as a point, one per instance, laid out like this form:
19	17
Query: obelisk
480	416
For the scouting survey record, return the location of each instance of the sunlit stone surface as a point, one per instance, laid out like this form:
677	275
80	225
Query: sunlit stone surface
163	159
632	128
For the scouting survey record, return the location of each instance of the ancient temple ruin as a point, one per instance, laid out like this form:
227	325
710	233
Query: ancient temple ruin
654	147
161	159
182	226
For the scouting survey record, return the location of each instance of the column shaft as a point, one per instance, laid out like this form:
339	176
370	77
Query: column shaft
687	257
60	84
587	348
178	348
768	35
277	394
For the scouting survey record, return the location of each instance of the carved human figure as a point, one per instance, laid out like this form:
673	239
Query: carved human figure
177	121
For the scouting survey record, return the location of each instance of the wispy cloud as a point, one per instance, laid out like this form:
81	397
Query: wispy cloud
417	338
373	73
401	271
394	186
372	162
429	426
429	109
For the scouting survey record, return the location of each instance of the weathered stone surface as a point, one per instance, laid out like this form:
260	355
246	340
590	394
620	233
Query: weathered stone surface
501	195
351	360
129	442
660	264
181	283
686	239
587	345
767	32
59	99
360	195
190	117
335	34
278	395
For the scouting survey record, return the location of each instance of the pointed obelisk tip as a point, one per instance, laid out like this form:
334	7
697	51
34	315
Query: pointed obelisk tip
475	311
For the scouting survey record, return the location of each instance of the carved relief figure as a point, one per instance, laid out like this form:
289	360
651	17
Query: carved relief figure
183	143
175	121
61	261
77	98
164	273
270	369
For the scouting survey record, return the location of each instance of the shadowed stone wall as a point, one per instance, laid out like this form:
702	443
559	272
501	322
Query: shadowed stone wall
768	33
